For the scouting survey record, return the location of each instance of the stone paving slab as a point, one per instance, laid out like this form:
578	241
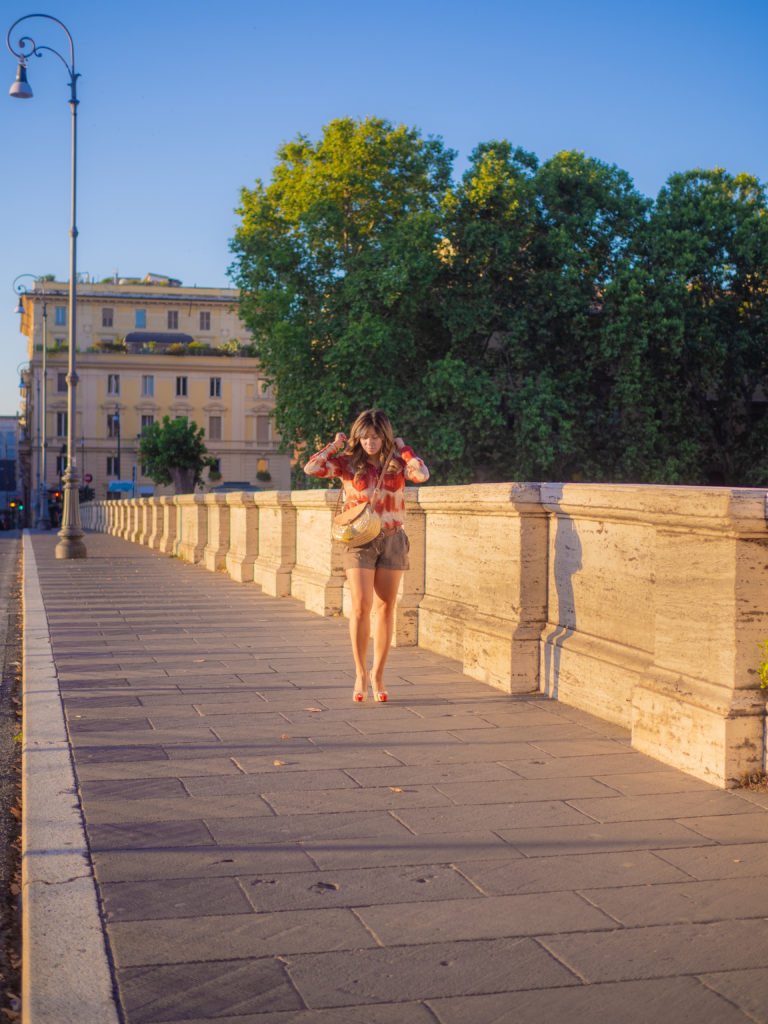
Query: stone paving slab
747	989
727	861
575	872
685	1000
245	936
716	900
264	850
461	919
427	971
663	950
381	1013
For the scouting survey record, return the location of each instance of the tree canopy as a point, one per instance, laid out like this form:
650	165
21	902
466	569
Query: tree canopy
534	320
173	452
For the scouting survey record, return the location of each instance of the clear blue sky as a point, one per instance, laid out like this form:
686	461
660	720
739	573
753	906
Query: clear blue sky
180	108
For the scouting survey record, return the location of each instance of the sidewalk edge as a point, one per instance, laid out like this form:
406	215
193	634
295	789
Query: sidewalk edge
66	975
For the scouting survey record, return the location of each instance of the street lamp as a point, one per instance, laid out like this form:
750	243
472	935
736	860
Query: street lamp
116	432
71	543
43	521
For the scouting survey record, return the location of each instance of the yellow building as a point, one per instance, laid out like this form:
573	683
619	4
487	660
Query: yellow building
146	349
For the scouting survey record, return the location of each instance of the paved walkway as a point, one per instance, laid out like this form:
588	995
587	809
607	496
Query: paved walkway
265	851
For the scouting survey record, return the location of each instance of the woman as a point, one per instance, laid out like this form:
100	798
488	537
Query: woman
374	570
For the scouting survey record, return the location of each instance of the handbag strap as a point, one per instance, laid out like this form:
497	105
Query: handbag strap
376	489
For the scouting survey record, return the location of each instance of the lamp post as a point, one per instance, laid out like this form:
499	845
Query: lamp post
24	370
43	520
71	543
116	430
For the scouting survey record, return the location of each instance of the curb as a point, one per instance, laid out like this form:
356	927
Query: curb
66	976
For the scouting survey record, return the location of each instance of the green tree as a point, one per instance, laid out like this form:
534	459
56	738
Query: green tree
534	250
339	264
174	453
695	312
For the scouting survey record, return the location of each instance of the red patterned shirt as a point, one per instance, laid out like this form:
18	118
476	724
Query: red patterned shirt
390	501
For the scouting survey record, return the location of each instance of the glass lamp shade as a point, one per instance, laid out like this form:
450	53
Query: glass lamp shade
21	88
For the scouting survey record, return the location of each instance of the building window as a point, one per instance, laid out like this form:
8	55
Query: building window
61	424
61	316
181	387
147	419
148	385
106	316
214	428
111	465
262	429
173	320
61	464
113	425
205	321
215	389
113	384
140	319
216	467
61	382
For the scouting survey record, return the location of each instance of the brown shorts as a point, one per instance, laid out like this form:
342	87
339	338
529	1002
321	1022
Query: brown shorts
387	551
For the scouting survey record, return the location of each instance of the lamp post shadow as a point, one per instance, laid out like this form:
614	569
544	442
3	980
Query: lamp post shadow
567	562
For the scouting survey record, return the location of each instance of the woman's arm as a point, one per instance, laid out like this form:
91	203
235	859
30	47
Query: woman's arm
323	463
415	470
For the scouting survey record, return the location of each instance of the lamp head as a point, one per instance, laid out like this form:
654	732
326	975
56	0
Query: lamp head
21	88
19	306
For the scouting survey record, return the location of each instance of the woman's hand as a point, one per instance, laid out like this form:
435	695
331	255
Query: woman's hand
399	443
340	438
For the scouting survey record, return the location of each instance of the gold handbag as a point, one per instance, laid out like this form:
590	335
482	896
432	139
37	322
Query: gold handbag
359	524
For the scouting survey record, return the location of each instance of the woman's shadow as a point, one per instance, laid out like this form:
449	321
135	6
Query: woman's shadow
567	562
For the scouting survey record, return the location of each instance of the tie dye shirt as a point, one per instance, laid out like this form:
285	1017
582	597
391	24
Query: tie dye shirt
390	501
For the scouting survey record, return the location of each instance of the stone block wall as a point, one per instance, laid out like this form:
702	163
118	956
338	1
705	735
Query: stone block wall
643	605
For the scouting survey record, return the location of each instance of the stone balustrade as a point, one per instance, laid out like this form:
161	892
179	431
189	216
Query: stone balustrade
644	605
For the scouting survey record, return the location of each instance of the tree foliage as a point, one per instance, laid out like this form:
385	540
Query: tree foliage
534	320
174	445
695	308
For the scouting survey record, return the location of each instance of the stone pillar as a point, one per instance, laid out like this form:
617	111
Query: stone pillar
147	520
155	524
169	514
598	638
217	540
116	516
485	580
699	706
136	530
317	576
243	536
274	563
121	520
192	526
121	510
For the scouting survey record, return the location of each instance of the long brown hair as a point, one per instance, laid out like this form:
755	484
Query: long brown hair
378	421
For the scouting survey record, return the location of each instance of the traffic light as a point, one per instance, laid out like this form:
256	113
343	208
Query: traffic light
20	506
14	504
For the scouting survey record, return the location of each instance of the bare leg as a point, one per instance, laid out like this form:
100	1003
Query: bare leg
386	584
361	591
